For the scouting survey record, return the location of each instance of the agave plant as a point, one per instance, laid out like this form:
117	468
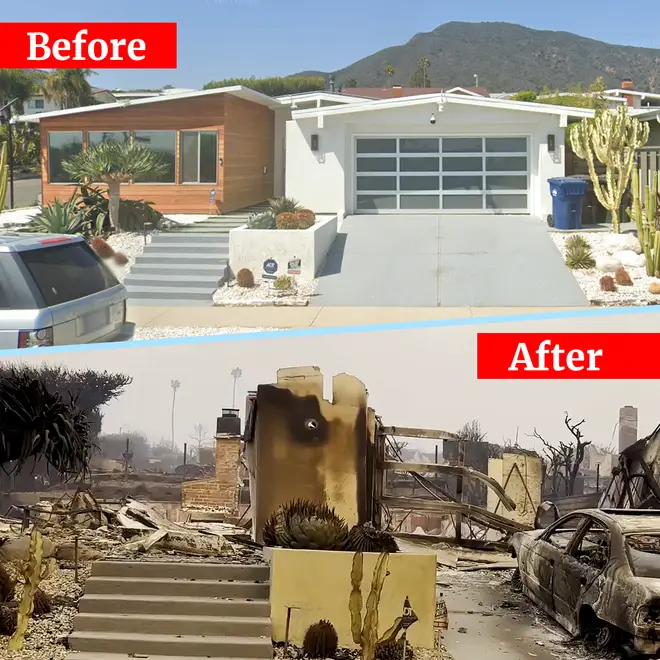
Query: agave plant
284	205
305	525
114	163
40	424
60	218
366	538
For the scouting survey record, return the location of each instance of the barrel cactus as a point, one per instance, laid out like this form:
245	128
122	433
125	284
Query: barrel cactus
320	640
366	538
305	525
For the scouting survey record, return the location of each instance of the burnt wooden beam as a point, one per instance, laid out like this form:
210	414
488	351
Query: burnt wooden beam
424	434
457	470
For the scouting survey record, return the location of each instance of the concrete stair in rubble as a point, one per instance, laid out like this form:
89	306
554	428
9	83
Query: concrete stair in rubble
184	266
173	610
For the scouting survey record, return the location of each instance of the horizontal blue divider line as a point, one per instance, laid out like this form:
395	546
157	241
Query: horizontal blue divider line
307	332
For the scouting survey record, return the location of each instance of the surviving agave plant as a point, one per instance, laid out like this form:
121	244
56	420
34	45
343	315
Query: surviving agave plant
305	525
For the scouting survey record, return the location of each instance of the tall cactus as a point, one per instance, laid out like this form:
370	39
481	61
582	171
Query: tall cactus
4	175
612	138
644	212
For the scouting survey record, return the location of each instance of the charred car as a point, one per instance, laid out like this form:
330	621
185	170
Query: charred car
597	573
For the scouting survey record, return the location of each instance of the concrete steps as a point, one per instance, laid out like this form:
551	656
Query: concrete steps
173	610
186	265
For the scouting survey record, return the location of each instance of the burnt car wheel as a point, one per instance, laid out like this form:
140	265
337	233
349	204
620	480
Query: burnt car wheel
516	581
601	634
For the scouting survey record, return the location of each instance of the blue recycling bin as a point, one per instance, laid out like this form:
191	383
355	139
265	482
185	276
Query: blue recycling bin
567	199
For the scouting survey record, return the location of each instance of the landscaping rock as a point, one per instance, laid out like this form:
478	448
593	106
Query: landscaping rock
654	287
18	549
630	258
66	552
607	264
607	284
619	242
622	277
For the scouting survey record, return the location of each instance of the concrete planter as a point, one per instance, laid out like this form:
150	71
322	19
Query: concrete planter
252	248
316	584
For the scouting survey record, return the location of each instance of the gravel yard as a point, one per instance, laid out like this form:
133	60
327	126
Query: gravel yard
589	279
262	294
169	332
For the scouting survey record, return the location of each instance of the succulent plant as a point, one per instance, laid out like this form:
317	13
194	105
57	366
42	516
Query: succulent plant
265	220
366	538
284	205
305	525
102	248
575	240
579	257
320	640
245	278
283	283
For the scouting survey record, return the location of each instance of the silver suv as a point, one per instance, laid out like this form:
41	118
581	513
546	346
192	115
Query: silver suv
55	291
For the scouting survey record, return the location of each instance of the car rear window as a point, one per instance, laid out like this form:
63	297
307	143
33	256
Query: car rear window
644	551
63	273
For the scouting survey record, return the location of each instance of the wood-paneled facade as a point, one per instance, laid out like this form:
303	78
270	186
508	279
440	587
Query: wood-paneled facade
246	132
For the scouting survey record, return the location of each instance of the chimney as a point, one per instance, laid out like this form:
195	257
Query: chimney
627	83
331	84
627	427
397	91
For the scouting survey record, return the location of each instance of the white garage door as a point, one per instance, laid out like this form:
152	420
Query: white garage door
452	174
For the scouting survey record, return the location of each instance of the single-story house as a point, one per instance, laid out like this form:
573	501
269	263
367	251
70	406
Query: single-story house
341	154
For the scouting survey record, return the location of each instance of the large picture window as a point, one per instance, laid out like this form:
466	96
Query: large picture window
62	145
94	138
199	157
164	144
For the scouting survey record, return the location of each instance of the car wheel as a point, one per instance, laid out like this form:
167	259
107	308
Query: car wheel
516	581
601	634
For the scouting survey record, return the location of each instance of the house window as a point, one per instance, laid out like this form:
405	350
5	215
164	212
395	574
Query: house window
199	157
38	104
62	145
95	138
164	144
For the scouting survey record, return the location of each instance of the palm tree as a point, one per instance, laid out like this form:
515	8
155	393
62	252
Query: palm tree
424	65
114	163
69	88
389	71
16	84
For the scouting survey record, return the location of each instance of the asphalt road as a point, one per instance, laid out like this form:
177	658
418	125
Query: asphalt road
26	192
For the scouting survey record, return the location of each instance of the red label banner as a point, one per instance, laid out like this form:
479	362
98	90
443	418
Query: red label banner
568	355
88	46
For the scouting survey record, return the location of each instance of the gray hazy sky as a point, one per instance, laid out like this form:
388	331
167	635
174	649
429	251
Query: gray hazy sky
424	378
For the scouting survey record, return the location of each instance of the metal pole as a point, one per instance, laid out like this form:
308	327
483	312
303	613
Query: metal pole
185	453
10	147
597	477
128	447
173	404
459	492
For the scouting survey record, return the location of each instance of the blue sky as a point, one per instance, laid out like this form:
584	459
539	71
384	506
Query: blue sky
235	38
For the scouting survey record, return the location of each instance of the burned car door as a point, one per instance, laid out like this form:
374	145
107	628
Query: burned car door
543	556
585	560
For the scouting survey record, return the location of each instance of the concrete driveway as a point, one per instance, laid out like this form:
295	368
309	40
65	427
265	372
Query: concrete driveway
448	261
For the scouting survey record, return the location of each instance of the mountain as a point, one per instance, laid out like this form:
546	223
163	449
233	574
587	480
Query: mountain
507	58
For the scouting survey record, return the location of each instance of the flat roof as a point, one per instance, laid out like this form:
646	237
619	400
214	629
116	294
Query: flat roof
236	90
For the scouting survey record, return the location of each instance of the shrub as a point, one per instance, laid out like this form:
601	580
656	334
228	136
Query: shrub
102	248
284	205
320	640
120	258
283	283
265	220
60	218
245	278
579	257
577	241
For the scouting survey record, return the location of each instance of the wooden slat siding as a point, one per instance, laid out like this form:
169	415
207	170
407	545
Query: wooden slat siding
648	160
205	113
249	146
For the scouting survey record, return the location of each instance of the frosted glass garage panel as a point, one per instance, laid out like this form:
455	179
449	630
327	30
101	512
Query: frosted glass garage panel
419	164
376	183
462	202
376	203
506	163
419	183
419	145
462	183
506	145
506	182
377	164
462	164
420	202
376	146
506	202
462	145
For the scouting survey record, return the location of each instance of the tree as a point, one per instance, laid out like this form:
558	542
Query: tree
612	138
39	424
564	460
114	163
200	436
350	82
471	432
527	96
17	84
390	71
274	86
69	88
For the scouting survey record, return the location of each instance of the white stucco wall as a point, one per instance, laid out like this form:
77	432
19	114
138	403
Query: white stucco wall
323	180
282	115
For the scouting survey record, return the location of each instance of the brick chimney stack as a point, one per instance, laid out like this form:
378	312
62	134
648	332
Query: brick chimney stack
397	91
627	83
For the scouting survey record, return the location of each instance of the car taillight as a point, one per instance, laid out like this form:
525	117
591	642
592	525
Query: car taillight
35	338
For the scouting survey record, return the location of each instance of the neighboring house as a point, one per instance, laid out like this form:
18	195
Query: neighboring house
121	95
458	152
38	102
397	91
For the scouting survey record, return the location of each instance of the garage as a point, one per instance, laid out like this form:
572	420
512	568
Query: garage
466	174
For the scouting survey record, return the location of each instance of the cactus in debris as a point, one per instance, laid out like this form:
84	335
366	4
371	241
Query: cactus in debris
393	650
43	603
612	138
365	631
33	571
366	538
306	525
4	175
644	212
320	640
264	220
